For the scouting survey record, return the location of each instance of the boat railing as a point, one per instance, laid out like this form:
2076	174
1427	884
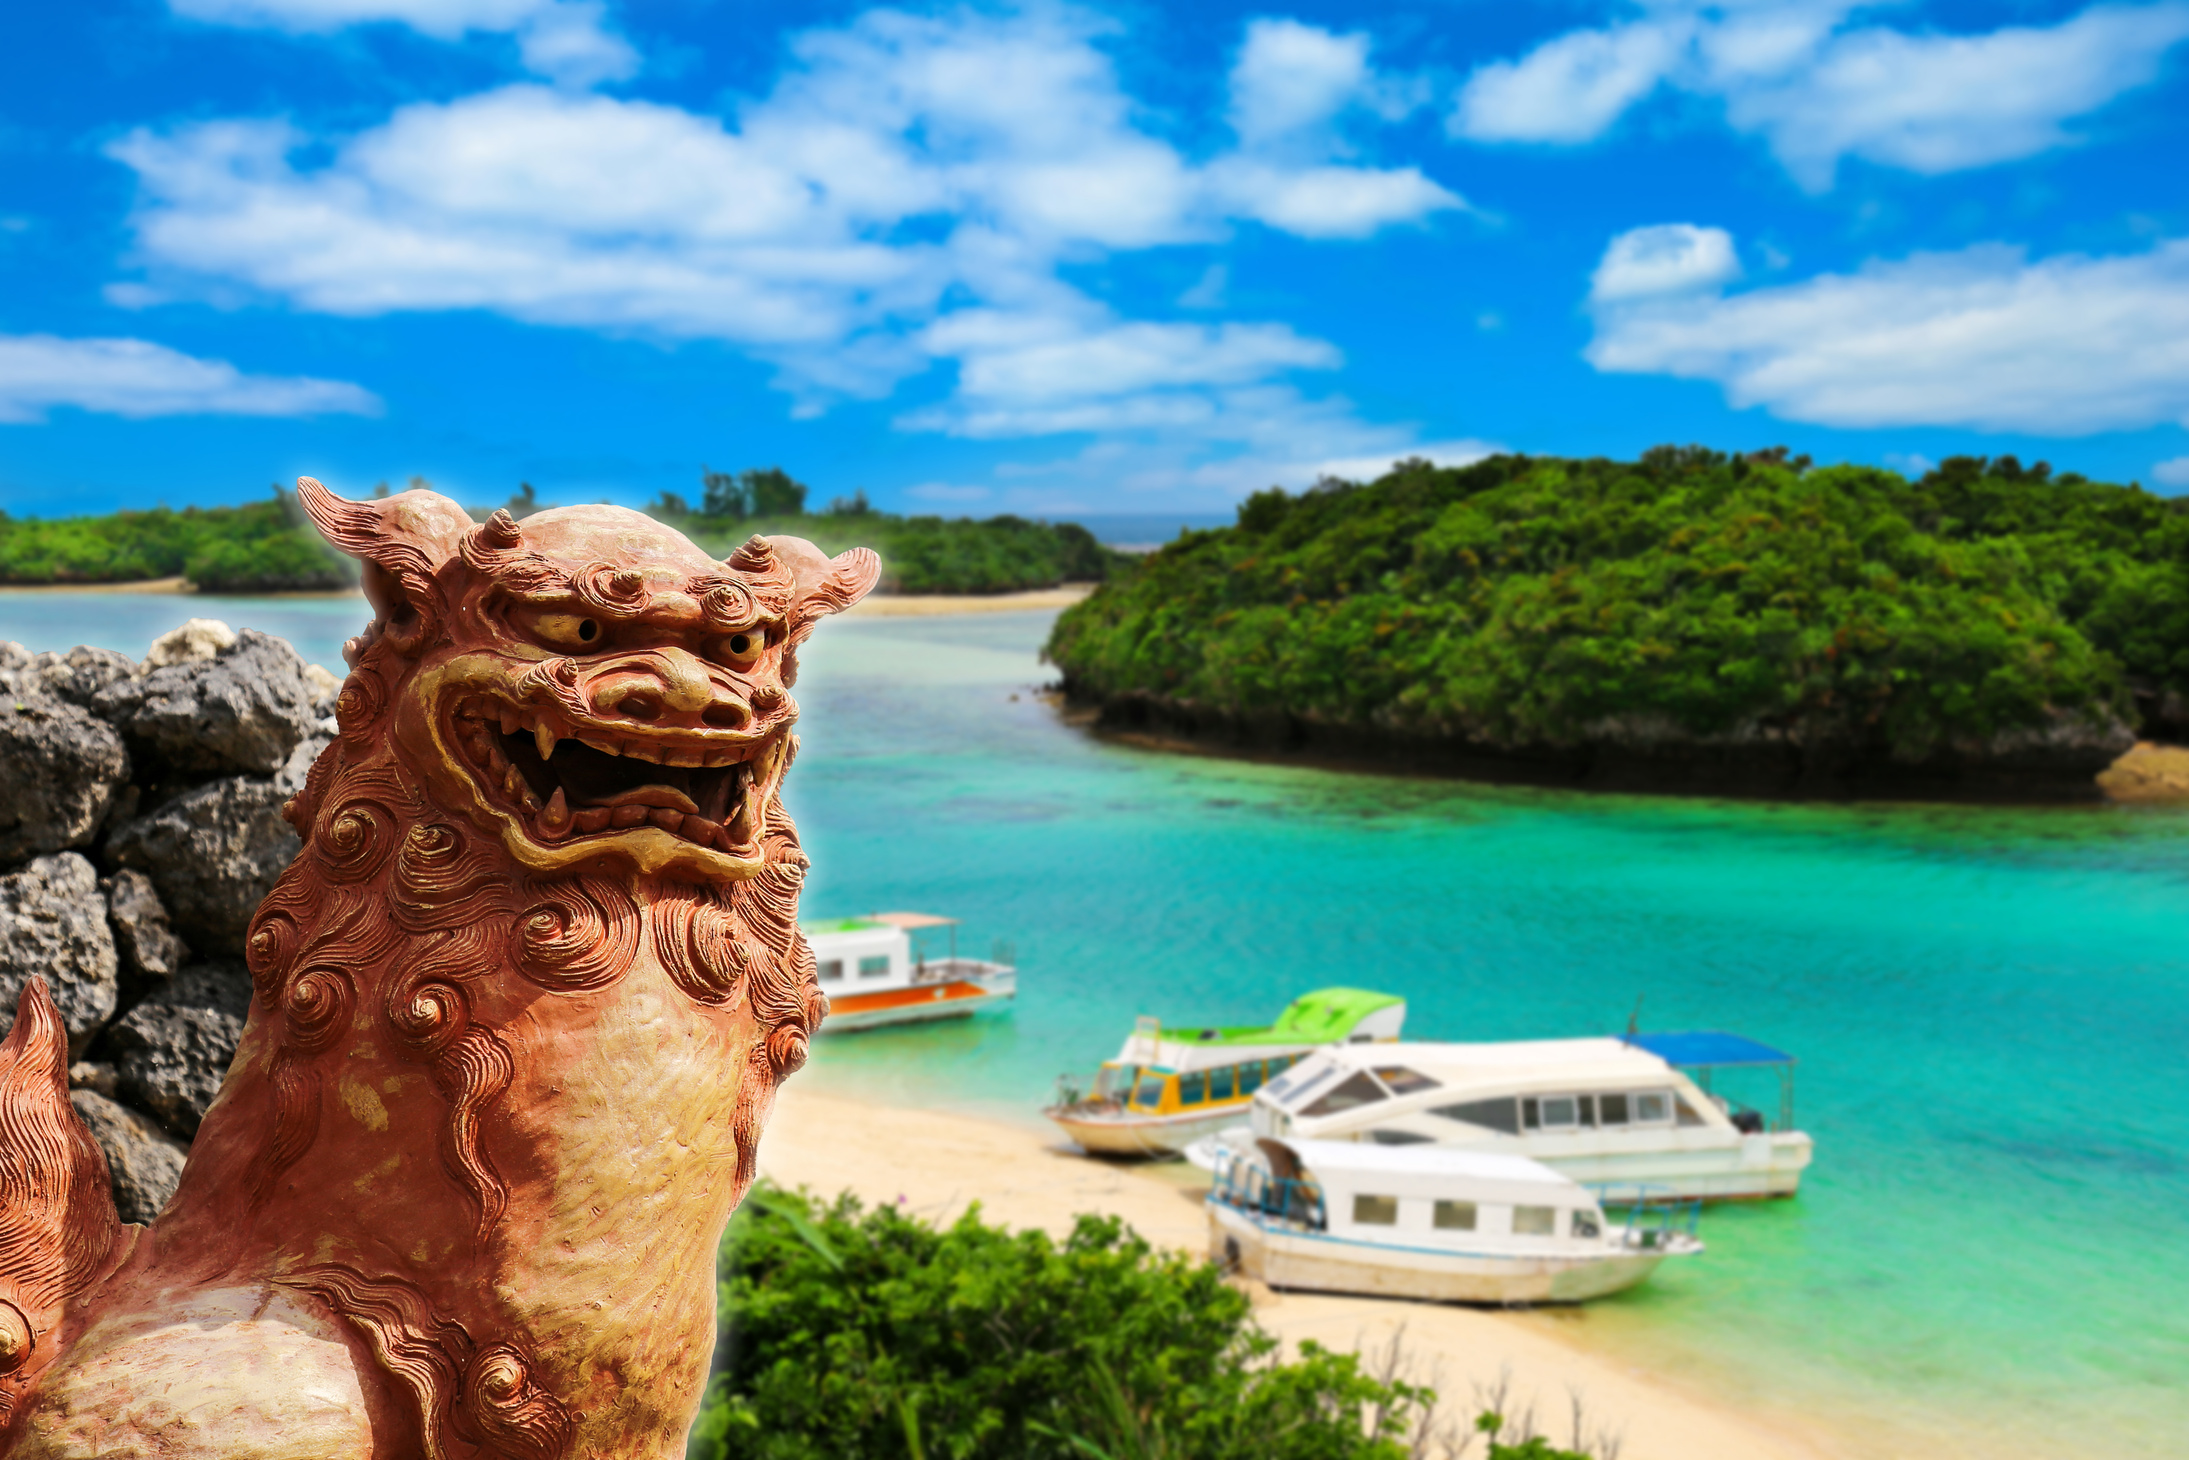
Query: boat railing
950	970
1249	1186
1654	1214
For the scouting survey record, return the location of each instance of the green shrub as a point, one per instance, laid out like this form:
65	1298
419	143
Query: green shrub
848	1332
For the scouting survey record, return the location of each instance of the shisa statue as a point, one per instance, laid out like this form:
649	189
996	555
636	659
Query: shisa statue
519	1010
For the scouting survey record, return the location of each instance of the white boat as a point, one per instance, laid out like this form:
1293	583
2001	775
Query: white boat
1427	1222
1615	1111
874	973
1170	1086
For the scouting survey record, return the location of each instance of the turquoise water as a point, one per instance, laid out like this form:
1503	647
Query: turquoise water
1991	1007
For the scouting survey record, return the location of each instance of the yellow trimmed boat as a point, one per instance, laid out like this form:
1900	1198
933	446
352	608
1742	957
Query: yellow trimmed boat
1168	1088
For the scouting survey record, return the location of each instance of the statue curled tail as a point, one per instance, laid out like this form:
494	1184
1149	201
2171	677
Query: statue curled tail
58	1227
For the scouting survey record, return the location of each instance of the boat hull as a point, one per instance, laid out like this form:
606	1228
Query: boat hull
1317	1262
950	999
1146	1135
1755	1168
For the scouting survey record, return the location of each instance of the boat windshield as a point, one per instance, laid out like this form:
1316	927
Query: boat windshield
1115	1082
1149	1094
1361	1090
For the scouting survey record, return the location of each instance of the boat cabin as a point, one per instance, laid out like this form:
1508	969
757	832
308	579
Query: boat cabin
1635	1110
1436	1199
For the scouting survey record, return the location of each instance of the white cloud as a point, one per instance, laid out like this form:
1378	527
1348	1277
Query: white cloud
1569	89
567	40
1668	258
2172	473
904	197
137	378
1819	90
1939	103
1292	79
1982	338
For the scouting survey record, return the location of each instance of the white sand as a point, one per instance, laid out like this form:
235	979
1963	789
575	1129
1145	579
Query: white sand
939	1163
934	605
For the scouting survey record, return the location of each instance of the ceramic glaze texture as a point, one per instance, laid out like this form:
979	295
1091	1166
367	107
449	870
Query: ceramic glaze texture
519	1010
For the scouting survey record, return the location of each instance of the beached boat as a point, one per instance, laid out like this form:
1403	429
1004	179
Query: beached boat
1429	1222
1170	1087
1635	1110
875	971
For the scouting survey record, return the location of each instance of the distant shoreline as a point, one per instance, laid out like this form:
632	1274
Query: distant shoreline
179	587
880	605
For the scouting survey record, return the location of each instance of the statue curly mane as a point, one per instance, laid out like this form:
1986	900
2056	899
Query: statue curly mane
520	1008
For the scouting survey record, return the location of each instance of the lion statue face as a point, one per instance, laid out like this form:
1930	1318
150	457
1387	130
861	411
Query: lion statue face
589	685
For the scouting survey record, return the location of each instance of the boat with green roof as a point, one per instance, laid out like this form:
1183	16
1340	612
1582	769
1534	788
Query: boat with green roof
1170	1086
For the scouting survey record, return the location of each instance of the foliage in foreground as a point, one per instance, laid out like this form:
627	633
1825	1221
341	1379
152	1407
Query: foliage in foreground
259	547
847	1332
1534	601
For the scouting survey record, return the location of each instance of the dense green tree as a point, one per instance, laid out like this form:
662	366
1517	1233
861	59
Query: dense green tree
1527	602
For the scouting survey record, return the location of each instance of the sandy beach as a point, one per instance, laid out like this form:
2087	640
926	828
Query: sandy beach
938	1163
934	605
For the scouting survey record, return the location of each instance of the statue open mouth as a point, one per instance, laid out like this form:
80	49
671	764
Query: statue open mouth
564	783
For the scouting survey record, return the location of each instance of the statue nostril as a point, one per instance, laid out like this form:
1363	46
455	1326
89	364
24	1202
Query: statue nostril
728	715
632	703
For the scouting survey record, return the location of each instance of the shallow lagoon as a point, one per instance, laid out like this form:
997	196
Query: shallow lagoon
1991	1006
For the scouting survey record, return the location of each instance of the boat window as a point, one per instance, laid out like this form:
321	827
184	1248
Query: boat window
1150	1093
1376	1211
829	970
1400	1138
1455	1216
1193	1088
1115	1082
1499	1115
1305	1088
1402	1081
1531	1114
1652	1107
875	967
1220	1082
1535	1221
1611	1110
1558	1112
1588	1110
1250	1077
1354	1093
1584	1224
1283	1085
1689	1115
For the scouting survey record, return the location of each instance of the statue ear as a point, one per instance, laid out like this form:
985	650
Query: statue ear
402	540
826	585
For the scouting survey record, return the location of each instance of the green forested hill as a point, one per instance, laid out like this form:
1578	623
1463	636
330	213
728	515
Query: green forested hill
1763	620
269	547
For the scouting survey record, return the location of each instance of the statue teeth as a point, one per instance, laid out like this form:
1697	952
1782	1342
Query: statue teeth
605	747
511	723
701	830
626	816
591	819
677	756
555	819
512	783
640	750
544	738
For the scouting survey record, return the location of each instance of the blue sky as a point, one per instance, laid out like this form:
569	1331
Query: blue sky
1074	259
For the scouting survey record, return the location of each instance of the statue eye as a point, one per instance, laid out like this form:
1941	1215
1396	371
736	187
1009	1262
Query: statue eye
568	630
741	650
